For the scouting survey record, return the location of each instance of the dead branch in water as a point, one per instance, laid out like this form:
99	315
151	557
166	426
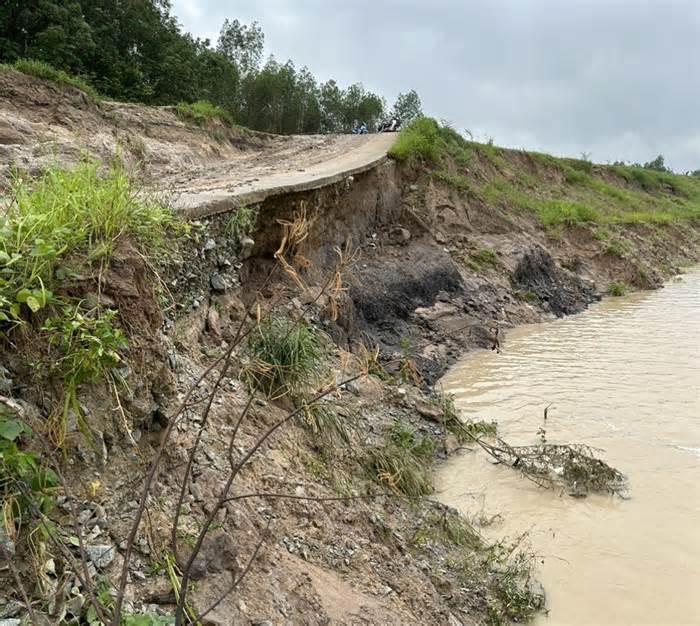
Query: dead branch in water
570	466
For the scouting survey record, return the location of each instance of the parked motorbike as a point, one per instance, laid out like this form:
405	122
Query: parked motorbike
389	126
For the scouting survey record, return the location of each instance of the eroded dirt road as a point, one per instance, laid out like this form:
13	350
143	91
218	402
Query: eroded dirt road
202	169
299	164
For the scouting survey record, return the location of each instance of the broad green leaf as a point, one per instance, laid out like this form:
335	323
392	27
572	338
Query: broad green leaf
33	304
22	295
10	429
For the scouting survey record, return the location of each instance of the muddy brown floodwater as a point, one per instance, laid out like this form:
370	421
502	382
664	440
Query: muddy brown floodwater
624	377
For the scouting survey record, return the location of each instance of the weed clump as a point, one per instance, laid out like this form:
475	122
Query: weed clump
242	222
618	248
483	258
402	464
285	357
497	574
617	289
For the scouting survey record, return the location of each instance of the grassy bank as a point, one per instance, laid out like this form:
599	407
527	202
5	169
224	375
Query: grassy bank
560	192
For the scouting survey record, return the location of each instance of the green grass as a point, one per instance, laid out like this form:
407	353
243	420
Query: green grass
617	289
402	464
482	259
201	112
285	357
58	225
64	212
39	69
566	212
619	248
456	181
594	194
425	140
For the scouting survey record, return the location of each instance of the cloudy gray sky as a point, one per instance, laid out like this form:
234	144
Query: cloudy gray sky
619	78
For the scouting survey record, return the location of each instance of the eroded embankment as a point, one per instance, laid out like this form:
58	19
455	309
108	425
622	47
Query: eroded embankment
306	510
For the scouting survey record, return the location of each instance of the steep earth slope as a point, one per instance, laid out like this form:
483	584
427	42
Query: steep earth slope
441	252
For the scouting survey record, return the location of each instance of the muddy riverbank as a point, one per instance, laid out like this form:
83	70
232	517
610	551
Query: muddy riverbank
622	377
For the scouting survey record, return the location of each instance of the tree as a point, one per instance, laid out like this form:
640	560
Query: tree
657	165
242	45
408	107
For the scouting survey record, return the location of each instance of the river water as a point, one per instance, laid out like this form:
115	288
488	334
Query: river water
625	377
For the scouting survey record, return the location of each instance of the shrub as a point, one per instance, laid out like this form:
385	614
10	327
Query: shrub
286	357
202	111
48	72
556	212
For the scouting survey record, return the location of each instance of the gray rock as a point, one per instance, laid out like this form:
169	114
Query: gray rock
7	546
9	622
210	244
101	555
246	247
11	609
218	553
429	411
399	236
218	283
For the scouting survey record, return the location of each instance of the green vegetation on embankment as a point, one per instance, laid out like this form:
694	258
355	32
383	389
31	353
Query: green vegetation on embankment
559	191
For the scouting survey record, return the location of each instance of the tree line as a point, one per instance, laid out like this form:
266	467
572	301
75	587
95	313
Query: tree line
135	50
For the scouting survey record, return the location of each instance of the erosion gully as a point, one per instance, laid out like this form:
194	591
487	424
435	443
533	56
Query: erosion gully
623	377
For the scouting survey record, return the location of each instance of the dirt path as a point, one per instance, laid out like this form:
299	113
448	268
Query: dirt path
300	164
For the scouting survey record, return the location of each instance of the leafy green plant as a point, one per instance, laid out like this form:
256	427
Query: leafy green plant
40	69
62	212
26	484
241	223
88	347
285	357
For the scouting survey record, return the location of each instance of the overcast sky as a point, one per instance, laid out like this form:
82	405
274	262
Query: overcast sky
619	79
